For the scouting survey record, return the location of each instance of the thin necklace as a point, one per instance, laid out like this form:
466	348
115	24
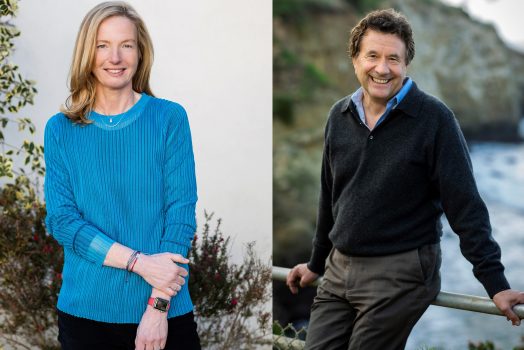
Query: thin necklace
121	116
111	121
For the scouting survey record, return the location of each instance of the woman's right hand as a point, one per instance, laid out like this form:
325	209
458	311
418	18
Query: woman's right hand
162	272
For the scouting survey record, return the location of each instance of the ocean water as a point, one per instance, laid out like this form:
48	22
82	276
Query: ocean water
499	171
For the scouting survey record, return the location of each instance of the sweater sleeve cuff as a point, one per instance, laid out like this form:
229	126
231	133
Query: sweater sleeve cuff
96	244
317	262
494	283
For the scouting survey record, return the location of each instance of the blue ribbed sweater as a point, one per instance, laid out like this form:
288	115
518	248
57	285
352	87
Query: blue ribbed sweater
130	182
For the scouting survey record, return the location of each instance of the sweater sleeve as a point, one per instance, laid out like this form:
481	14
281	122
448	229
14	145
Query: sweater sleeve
180	193
64	220
321	243
465	210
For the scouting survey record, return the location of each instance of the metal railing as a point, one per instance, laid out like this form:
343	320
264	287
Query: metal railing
446	299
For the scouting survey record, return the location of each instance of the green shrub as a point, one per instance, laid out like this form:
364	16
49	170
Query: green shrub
30	270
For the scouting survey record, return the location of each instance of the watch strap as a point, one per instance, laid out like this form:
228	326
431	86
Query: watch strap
160	304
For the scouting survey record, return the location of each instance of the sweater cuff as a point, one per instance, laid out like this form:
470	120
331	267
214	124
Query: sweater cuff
317	262
96	244
494	283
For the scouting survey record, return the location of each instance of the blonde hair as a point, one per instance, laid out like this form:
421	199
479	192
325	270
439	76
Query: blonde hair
81	80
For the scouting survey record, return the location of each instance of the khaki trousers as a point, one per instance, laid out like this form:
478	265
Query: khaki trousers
368	303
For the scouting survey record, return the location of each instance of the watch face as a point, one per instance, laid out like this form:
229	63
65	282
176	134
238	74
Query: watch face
161	304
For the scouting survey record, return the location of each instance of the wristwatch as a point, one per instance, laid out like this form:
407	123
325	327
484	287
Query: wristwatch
160	304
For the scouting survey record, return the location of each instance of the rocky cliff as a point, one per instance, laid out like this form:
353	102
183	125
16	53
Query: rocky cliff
467	65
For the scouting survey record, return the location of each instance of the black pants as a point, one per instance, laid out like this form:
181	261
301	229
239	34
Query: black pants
75	333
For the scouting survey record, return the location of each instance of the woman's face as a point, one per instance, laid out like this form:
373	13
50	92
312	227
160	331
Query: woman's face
116	56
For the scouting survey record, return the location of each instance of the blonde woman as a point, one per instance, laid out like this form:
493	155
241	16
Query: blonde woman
120	192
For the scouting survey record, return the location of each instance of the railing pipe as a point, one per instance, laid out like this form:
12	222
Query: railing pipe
446	299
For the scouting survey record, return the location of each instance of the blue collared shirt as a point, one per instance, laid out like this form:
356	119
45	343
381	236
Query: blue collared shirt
392	103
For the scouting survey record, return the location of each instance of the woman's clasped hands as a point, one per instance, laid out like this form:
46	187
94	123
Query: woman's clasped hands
162	272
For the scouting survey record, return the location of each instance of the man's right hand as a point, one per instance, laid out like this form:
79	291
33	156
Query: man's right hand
301	276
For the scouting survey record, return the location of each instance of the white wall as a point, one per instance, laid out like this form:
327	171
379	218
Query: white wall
213	57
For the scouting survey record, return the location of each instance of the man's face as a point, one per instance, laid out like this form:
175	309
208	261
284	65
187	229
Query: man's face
380	66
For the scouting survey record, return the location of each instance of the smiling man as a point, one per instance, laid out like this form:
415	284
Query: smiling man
394	161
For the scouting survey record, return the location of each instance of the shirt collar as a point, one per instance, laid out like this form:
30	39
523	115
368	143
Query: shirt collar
403	91
356	97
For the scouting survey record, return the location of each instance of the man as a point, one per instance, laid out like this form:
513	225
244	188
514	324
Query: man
394	160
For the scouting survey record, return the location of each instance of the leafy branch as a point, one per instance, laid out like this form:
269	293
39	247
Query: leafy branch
15	93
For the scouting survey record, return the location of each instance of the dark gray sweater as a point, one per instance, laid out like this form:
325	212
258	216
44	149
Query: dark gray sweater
383	192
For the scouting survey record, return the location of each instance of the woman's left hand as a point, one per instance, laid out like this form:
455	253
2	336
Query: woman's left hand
152	330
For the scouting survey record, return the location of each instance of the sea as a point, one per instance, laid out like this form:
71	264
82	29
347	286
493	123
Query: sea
499	171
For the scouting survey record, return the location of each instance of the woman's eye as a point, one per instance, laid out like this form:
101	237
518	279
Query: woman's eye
100	46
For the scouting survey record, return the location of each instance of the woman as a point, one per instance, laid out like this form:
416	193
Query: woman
120	192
